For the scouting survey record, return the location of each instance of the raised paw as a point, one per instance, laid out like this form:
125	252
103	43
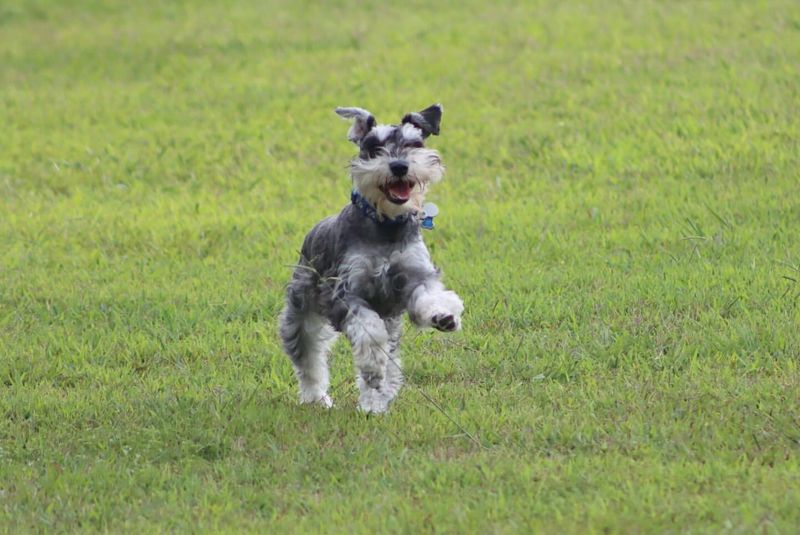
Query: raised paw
445	322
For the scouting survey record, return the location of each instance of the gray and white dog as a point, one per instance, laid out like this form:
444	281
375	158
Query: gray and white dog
360	270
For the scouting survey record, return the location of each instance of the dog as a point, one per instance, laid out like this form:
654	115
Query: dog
361	270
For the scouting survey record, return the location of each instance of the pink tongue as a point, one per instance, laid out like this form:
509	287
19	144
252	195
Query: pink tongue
400	189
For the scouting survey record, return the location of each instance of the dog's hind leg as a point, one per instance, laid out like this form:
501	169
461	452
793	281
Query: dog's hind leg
307	337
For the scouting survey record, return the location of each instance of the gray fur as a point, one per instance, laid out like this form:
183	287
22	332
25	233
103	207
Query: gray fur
328	283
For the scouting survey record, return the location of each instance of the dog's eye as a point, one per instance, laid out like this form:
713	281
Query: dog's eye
414	144
371	147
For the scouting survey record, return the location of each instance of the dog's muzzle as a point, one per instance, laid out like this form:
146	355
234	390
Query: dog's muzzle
398	189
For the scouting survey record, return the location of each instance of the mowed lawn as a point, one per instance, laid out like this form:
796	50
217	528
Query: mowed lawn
621	215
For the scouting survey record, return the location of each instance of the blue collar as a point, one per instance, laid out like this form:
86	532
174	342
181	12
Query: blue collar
369	211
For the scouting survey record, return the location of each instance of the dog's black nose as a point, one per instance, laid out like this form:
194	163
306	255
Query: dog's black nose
399	168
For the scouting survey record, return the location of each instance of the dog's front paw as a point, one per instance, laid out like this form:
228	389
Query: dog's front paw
446	322
372	401
440	310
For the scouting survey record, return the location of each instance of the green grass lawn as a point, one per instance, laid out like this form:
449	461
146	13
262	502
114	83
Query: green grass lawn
621	215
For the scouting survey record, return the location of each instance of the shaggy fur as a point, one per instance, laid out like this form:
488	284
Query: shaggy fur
360	270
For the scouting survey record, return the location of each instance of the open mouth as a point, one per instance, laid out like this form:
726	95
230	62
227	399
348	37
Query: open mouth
398	192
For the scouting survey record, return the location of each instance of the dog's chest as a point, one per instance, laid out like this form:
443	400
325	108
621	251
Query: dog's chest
374	276
384	275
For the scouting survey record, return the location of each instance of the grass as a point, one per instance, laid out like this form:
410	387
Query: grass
620	215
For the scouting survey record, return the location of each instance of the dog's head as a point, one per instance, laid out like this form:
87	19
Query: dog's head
393	168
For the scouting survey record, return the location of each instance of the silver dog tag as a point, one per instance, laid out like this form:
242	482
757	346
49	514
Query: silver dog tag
429	211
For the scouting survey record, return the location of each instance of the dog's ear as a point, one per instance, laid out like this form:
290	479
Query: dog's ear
363	122
427	120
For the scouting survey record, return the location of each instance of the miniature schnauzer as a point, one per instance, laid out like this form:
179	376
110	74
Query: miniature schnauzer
360	270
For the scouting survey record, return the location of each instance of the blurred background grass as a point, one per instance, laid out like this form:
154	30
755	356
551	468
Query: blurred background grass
620	215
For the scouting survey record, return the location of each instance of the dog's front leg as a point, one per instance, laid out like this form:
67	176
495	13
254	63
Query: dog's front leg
432	305
369	339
